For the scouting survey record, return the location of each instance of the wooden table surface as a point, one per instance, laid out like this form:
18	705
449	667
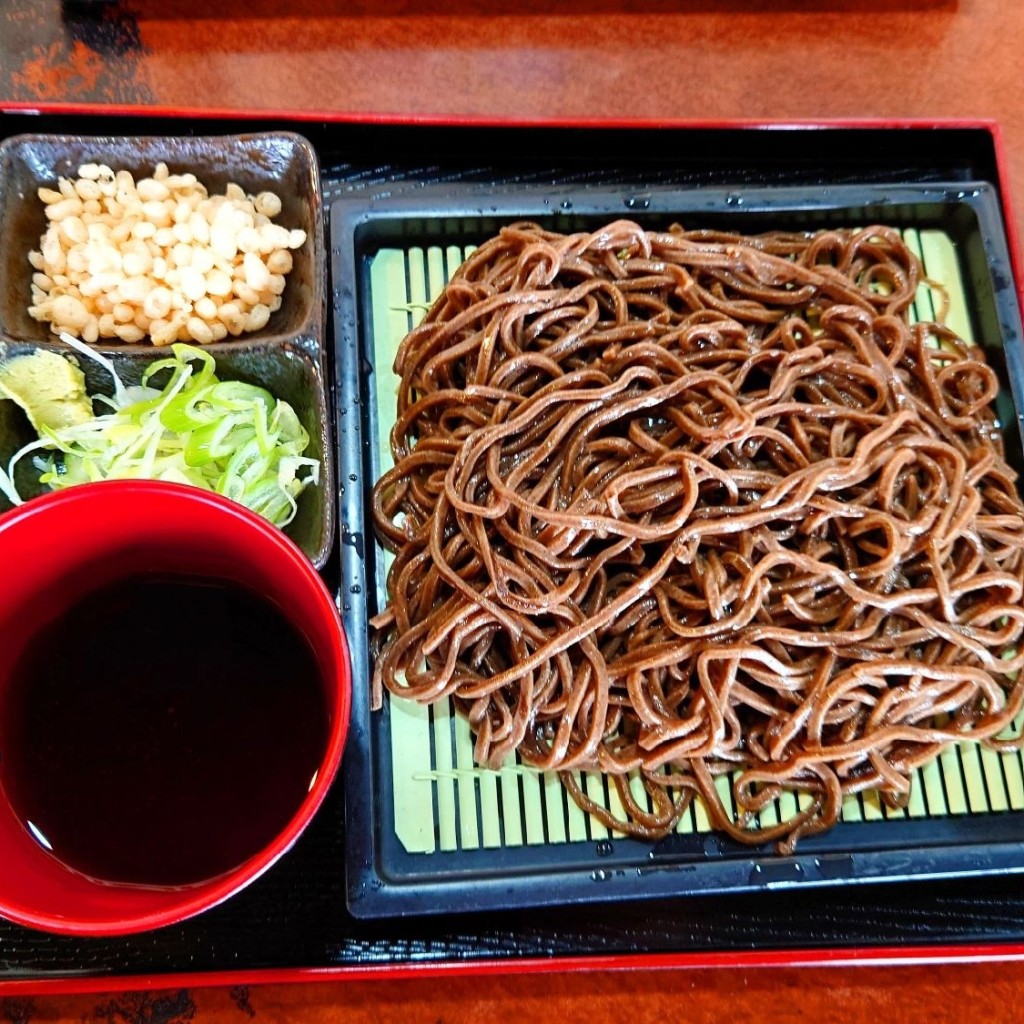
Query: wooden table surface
650	59
948	994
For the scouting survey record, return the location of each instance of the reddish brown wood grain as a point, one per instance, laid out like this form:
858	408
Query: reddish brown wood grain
857	995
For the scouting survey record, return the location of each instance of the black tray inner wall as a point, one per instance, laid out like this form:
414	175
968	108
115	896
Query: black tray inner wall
295	916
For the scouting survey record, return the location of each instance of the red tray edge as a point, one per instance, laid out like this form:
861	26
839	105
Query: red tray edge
476	120
882	956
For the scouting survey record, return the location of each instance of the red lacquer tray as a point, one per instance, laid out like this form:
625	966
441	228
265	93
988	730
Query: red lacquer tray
294	923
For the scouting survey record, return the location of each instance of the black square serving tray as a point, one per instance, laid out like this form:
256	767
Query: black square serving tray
295	921
391	870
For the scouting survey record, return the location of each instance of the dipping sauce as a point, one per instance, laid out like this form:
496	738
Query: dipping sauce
162	730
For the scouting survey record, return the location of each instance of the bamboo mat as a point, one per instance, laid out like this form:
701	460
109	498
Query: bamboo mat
443	801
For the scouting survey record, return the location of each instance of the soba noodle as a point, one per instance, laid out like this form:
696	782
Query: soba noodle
686	503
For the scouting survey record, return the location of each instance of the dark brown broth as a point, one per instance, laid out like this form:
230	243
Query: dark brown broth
162	730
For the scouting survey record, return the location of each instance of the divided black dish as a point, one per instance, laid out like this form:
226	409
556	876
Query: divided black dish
293	922
385	879
288	356
262	161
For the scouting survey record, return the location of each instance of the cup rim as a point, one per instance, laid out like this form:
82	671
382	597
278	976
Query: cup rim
204	895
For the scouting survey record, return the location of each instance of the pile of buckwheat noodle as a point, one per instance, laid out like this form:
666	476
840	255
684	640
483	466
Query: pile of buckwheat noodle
687	503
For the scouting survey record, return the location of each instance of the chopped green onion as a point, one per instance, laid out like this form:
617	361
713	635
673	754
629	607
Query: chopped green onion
8	489
85	350
226	436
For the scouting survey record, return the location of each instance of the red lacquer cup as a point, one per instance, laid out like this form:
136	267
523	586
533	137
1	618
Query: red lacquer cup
60	547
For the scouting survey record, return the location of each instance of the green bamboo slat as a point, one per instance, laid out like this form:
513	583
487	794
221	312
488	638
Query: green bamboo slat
974	779
941	264
1014	773
444	781
852	808
554	804
413	790
487	785
995	783
871	807
953	781
1013	769
577	820
511	819
465	783
917	806
594	788
533	806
